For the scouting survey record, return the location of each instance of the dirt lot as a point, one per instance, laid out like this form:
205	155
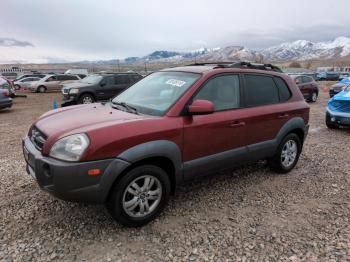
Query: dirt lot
244	215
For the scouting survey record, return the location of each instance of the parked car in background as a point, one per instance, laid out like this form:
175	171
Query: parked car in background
343	75
52	82
170	127
8	85
327	76
336	88
25	82
308	87
338	109
97	87
77	71
30	75
5	99
9	75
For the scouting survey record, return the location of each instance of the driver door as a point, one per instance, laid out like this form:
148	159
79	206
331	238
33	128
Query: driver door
51	83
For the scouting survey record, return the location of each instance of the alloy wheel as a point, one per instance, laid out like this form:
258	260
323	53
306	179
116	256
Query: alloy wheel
142	196
289	153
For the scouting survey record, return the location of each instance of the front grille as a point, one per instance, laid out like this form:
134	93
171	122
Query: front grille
38	138
341	106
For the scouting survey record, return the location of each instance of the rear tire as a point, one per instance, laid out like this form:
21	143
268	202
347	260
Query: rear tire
287	154
136	205
86	99
313	97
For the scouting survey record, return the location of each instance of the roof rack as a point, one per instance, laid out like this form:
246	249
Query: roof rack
210	63
248	65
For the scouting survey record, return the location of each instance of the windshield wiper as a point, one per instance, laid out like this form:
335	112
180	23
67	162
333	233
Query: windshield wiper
129	108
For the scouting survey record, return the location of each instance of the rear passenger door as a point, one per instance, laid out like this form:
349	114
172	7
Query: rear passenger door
214	141
266	111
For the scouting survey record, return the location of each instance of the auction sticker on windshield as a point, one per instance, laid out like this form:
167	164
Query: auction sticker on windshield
175	82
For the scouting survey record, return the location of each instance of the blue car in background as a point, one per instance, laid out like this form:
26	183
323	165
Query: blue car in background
338	109
327	76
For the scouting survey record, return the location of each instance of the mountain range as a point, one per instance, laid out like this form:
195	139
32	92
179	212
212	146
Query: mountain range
299	50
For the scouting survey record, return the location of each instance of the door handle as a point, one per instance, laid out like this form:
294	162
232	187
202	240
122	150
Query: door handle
237	123
283	115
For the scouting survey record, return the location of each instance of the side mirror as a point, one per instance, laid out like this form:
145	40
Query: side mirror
297	81
103	84
201	107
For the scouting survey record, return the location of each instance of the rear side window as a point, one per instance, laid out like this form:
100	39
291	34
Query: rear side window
306	79
283	89
121	79
260	90
223	91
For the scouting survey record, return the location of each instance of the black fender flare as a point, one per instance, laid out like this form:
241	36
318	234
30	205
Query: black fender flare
292	124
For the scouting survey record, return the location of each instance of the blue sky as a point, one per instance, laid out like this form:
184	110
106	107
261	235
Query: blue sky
107	29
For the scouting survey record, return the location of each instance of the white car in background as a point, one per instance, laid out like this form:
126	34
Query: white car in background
25	82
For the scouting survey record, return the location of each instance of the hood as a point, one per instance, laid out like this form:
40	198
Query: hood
82	118
342	96
76	84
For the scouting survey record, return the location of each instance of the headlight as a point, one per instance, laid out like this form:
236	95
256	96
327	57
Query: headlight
70	148
74	91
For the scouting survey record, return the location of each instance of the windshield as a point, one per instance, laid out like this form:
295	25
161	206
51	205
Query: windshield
154	94
92	79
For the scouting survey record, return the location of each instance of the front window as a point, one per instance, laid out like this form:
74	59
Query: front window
91	79
156	93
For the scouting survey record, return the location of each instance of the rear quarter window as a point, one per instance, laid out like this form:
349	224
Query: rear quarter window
283	89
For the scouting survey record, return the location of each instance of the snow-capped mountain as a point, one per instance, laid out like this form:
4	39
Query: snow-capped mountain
304	50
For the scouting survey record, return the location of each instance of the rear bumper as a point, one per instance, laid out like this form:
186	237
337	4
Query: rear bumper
70	180
332	92
338	118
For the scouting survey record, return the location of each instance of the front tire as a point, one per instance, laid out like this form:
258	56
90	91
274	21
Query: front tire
41	89
287	154
86	99
139	196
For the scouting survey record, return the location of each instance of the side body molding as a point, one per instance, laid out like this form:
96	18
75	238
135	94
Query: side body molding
157	148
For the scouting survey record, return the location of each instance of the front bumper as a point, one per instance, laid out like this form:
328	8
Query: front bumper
70	180
338	118
69	100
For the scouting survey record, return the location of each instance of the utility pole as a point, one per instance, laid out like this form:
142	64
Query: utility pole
118	65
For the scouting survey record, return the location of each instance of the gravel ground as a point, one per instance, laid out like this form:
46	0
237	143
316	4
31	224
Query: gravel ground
248	214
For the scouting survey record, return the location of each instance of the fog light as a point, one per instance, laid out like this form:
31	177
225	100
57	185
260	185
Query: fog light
333	119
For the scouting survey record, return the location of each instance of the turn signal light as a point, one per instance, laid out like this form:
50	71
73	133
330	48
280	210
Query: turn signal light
94	172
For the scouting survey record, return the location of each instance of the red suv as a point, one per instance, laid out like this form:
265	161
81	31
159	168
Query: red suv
174	125
308	87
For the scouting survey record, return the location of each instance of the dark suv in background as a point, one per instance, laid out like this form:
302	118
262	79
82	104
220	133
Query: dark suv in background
97	87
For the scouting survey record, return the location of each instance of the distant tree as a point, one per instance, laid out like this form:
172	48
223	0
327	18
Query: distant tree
308	64
295	64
